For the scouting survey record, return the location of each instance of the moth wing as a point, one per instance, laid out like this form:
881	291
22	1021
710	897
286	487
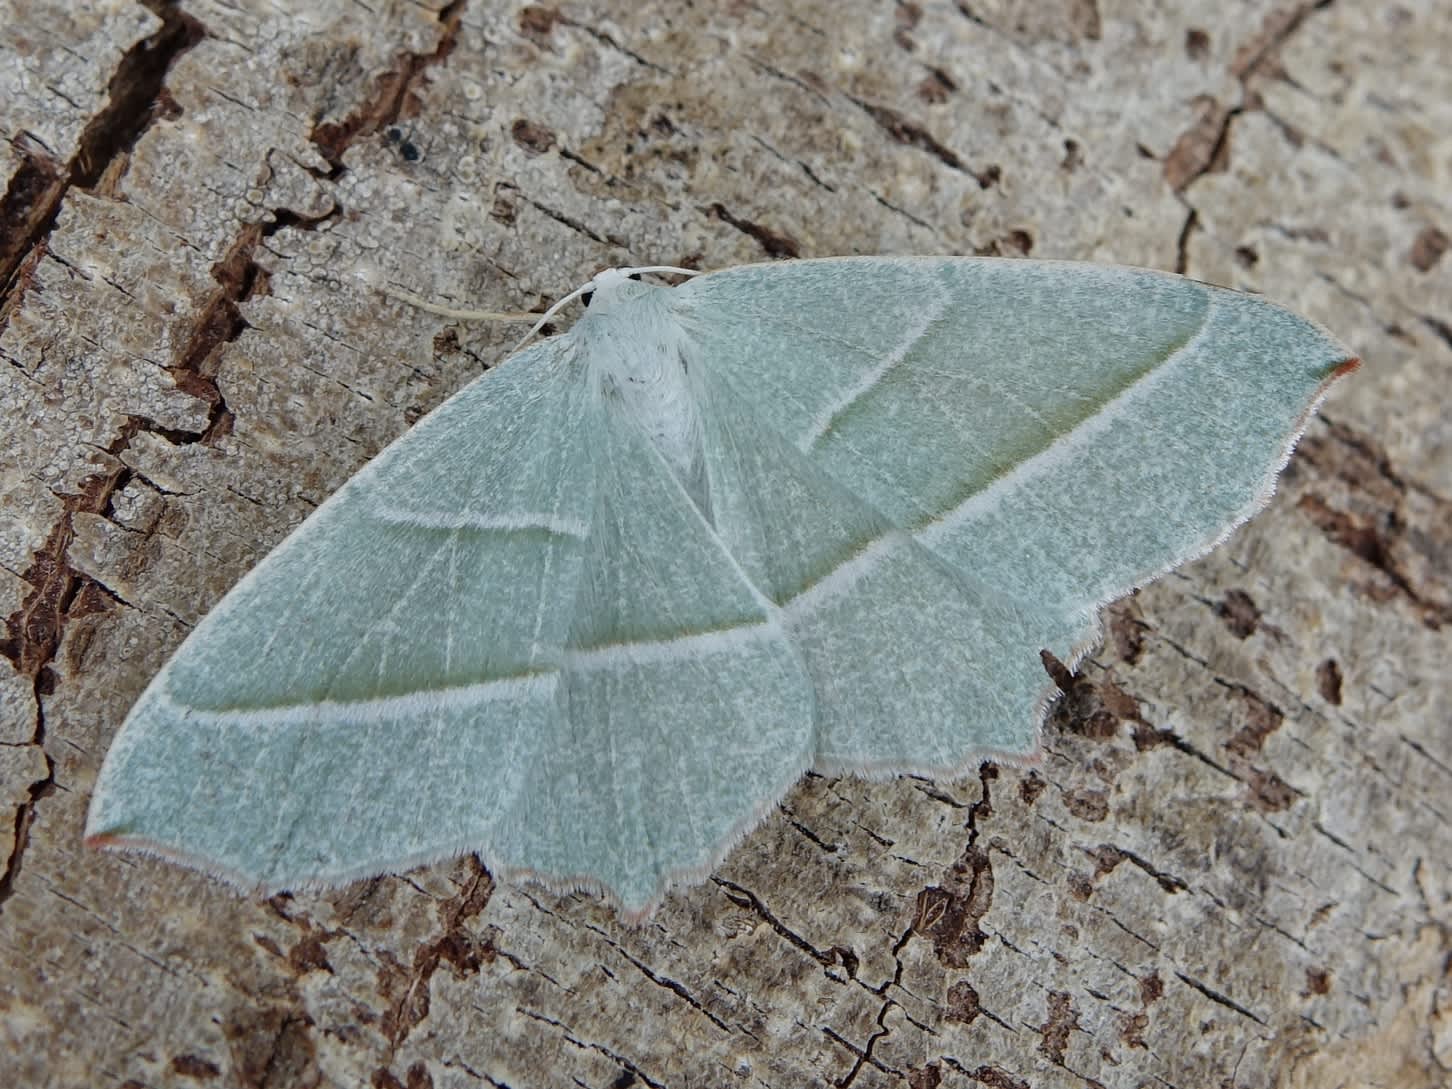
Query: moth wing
1065	431
367	697
1054	433
485	641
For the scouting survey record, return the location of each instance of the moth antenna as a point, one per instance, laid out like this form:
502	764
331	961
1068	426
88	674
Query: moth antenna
551	312
421	303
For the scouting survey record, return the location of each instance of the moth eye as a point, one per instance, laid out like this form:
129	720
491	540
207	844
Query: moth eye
586	297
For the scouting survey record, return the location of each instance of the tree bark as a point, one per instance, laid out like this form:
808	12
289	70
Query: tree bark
1230	867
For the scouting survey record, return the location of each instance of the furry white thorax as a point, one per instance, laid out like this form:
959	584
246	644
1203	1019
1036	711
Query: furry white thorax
636	348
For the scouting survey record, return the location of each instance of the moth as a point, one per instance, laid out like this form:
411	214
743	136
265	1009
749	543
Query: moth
592	617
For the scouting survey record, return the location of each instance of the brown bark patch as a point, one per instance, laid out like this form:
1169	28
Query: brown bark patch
1088	805
1202	147
272	1048
536	139
1269	792
1127	633
949	914
1262	720
962	1005
1082	709
994	1077
1363	505
309	955
1131	1029
1239	611
536	21
1328	681
1030	788
408	990
1054	1032
937	87
194	1066
1151	989
1427	248
1318	981
417	1077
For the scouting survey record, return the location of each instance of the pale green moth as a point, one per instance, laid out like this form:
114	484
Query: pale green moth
593	616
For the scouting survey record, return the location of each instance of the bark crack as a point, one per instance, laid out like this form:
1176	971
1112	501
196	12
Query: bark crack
620	1060
410	991
1218	998
773	243
394	96
1204	147
950	913
832	958
990	1077
609	41
60	594
137	97
863	1055
666	982
904	130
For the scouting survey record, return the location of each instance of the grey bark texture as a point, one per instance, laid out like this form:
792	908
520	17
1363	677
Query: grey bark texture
1231	866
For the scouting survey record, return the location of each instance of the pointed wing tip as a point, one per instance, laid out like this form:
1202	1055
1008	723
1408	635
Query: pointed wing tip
1348	365
125	841
153	848
106	833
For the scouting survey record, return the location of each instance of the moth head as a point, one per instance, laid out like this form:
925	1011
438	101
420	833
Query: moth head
613	286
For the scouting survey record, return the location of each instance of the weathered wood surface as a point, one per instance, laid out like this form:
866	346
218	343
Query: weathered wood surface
1231	868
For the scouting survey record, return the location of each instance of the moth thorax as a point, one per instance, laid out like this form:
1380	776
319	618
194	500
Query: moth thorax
648	380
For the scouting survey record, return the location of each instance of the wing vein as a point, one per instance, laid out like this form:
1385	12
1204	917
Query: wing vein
869	381
1017	478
